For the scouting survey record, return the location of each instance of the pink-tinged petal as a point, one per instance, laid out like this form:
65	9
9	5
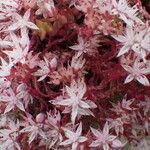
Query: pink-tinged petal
67	110
83	104
114	2
68	133
79	129
74	113
27	129
69	91
27	15
32	26
117	144
96	132
53	63
128	68
91	104
120	38
32	137
8	108
129	78
74	146
143	55
14	26
143	80
106	147
82	139
106	129
95	143
17	16
66	102
123	50
77	47
111	138
20	106
66	142
3	62
5	44
42	134
42	78
17	146
85	112
130	33
15	40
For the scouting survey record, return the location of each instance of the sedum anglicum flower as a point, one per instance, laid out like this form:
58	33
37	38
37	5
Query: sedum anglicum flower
20	48
126	40
104	139
9	135
5	67
45	68
138	71
12	101
22	22
74	138
126	13
139	42
34	129
45	7
75	102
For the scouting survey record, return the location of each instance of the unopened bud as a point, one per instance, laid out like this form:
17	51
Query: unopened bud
40	117
53	63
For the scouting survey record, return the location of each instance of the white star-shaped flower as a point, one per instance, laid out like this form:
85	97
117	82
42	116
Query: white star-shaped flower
74	138
22	22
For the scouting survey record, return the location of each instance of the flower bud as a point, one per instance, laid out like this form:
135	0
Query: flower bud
40	117
53	63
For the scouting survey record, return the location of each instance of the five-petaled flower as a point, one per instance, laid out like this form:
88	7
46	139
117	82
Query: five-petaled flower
138	71
104	139
74	138
75	102
22	22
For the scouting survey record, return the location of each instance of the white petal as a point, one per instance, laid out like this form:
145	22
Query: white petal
42	134
82	139
68	133
127	68
143	80
129	78
106	146
84	104
27	15
119	38
42	77
14	26
74	113
106	128
17	146
66	142
74	146
27	129
111	138
96	132
8	108
20	106
117	144
32	137
79	129
66	102
32	26
91	104
123	50
95	143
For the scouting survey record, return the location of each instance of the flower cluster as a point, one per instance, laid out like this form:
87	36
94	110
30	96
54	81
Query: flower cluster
74	75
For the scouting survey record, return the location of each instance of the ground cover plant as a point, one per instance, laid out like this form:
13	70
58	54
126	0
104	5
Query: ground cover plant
74	75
